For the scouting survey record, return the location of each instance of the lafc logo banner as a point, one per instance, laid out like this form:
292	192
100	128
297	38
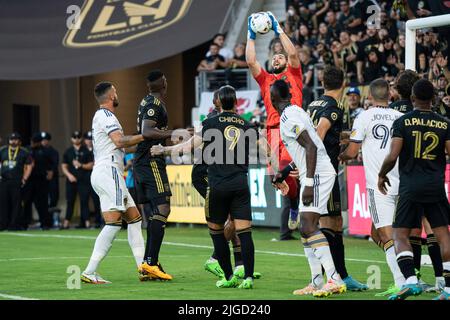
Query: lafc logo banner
115	22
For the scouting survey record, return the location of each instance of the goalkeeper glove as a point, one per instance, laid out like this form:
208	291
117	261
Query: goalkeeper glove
283	174
251	34
275	24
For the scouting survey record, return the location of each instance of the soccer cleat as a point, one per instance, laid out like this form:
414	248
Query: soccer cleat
309	289
354	285
390	291
155	272
425	286
224	283
214	268
443	296
439	286
246	284
294	219
239	272
93	278
331	287
143	275
406	291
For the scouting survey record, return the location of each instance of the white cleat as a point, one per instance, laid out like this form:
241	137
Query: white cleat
308	290
93	278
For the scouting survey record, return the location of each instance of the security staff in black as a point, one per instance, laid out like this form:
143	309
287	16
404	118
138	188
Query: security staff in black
420	140
77	166
92	194
54	182
227	139
403	84
327	117
152	184
15	169
37	188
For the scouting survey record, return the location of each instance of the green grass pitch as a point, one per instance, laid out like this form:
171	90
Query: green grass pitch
34	264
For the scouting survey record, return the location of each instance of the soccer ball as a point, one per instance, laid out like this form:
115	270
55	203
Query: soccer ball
261	23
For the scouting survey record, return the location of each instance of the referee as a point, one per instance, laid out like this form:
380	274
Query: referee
15	169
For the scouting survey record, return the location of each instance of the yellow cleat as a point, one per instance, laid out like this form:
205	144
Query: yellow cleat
309	289
330	288
143	276
154	272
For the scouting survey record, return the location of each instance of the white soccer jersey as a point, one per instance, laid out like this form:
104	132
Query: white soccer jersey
294	120
373	128
105	151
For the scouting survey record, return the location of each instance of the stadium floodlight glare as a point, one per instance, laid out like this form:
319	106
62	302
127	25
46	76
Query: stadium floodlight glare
411	27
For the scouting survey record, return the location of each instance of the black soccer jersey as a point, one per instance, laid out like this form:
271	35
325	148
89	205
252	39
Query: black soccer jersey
327	107
226	150
151	108
422	158
404	106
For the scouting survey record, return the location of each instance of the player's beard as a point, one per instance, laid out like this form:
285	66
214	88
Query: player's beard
13	144
280	69
115	102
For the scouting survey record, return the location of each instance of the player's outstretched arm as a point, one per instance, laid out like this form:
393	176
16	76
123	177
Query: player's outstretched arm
293	57
149	131
122	141
389	164
185	147
250	51
311	160
350	152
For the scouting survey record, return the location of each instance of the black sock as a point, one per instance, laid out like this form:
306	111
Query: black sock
158	227
416	244
222	250
149	240
406	265
237	253
294	203
435	254
214	255
248	251
339	243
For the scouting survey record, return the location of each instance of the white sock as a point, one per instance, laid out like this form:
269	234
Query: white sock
315	266
136	241
102	245
319	244
391	259
446	268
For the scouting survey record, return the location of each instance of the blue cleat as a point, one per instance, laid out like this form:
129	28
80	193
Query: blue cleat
354	285
406	291
443	296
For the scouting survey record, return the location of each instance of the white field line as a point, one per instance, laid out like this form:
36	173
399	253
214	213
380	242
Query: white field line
178	244
7	296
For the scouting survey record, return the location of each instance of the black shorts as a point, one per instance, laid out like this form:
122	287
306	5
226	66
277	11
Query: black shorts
152	184
408	214
219	204
334	202
199	178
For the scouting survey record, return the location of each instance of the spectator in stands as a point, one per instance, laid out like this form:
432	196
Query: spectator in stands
212	61
346	57
304	37
324	35
364	46
307	63
323	55
321	7
238	59
373	67
334	28
350	18
219	39
352	108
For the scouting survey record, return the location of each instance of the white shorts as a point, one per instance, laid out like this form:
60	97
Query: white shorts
381	207
323	185
109	184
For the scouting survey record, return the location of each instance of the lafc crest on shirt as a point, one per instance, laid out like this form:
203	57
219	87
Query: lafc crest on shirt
115	22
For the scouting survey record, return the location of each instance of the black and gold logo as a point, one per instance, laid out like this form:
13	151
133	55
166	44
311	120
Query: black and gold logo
115	22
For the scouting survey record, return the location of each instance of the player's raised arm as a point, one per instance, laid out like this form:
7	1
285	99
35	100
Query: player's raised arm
149	131
293	57
250	51
122	141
